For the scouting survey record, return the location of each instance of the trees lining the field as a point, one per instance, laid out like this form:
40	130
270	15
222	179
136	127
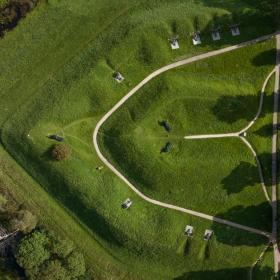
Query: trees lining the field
44	256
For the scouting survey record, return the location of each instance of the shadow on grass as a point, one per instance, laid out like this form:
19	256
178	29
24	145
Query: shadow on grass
230	109
247	174
266	162
264	131
265	58
250	10
244	175
227	274
257	216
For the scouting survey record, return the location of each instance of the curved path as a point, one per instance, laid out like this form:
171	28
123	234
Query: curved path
131	93
240	134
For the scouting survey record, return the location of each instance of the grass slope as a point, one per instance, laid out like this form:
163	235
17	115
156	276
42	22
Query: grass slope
56	77
217	176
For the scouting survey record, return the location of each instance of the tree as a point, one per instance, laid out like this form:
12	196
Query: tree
24	221
62	248
45	256
75	263
32	250
60	152
53	270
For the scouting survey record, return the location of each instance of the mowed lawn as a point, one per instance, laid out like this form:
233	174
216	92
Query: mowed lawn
216	176
56	77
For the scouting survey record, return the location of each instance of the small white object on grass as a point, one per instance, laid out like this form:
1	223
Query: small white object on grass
189	231
216	35
118	77
174	44
126	204
207	235
196	39
235	31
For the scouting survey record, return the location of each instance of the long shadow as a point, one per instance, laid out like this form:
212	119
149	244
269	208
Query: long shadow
247	14
240	273
265	58
244	175
247	175
264	131
257	216
267	10
230	109
266	161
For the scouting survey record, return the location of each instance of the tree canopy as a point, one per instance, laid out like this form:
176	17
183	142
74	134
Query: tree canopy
44	256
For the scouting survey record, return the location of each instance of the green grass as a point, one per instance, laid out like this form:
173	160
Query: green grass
165	230
217	176
260	134
56	77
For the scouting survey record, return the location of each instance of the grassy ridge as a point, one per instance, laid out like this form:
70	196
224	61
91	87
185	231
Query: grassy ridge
215	176
69	87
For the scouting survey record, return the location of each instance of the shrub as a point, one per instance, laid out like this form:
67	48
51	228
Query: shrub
32	251
60	152
47	257
24	221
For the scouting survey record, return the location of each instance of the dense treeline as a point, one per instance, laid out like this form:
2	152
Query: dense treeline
44	256
34	253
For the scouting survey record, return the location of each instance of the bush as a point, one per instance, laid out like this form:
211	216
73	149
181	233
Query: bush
24	221
47	257
32	251
60	152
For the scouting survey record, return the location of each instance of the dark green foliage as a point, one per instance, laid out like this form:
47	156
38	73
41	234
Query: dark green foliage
76	265
62	248
48	258
33	251
23	221
53	270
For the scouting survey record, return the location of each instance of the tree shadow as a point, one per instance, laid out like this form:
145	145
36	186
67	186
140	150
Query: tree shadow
247	174
264	131
240	273
244	175
265	58
266	161
257	216
265	9
230	109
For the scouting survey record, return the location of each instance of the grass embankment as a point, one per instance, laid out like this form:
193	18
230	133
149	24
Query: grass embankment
217	176
165	230
56	77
